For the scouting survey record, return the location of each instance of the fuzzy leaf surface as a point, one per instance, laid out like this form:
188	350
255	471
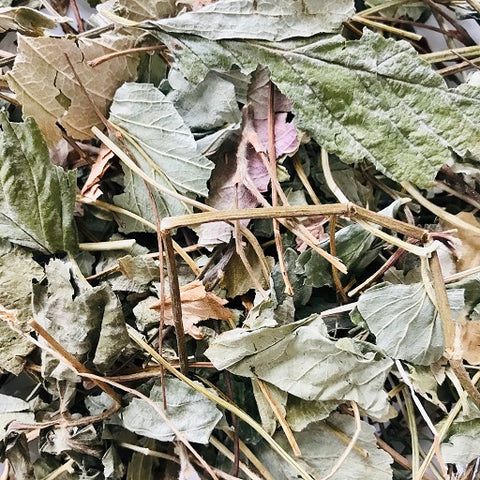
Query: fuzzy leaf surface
321	448
372	98
192	414
261	19
157	129
405	321
89	324
325	369
36	197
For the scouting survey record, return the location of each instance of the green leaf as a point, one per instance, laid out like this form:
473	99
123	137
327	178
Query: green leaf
405	321
37	198
372	98
321	448
261	19
325	369
353	242
461	448
192	414
208	105
89	324
301	413
17	270
171	152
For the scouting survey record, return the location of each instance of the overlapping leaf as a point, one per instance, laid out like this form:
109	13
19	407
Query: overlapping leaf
261	19
189	411
89	325
372	98
36	197
17	270
163	147
238	183
45	84
325	369
321	448
405	321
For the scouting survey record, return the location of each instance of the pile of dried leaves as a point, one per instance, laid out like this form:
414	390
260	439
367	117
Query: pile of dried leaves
238	240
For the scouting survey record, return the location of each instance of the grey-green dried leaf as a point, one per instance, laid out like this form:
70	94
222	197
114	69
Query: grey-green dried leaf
13	408
89	324
405	322
301	413
139	10
321	448
158	130
142	270
261	19
426	384
267	415
413	10
210	104
372	98
192	414
461	449
17	270
145	317
113	466
37	198
325	369
352	242
353	246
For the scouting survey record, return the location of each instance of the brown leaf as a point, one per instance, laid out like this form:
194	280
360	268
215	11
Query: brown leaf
240	182
469	333
469	250
91	189
197	305
45	85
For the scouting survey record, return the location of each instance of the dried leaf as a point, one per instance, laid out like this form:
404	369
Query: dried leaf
45	85
325	369
468	251
197	305
27	21
261	19
192	414
138	10
36	197
334	83
17	270
321	446
468	340
89	324
157	128
236	182
91	188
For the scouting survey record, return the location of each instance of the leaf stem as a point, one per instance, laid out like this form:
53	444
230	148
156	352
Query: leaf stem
176	302
135	336
387	28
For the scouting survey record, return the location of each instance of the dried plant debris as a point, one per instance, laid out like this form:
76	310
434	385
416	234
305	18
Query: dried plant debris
240	240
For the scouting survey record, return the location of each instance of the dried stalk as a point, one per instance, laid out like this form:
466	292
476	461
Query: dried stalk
281	419
135	336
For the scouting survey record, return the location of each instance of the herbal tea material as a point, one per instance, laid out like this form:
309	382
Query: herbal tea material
239	240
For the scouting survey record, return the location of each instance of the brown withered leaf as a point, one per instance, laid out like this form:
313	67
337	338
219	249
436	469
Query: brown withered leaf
469	251
469	344
45	85
92	189
197	305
